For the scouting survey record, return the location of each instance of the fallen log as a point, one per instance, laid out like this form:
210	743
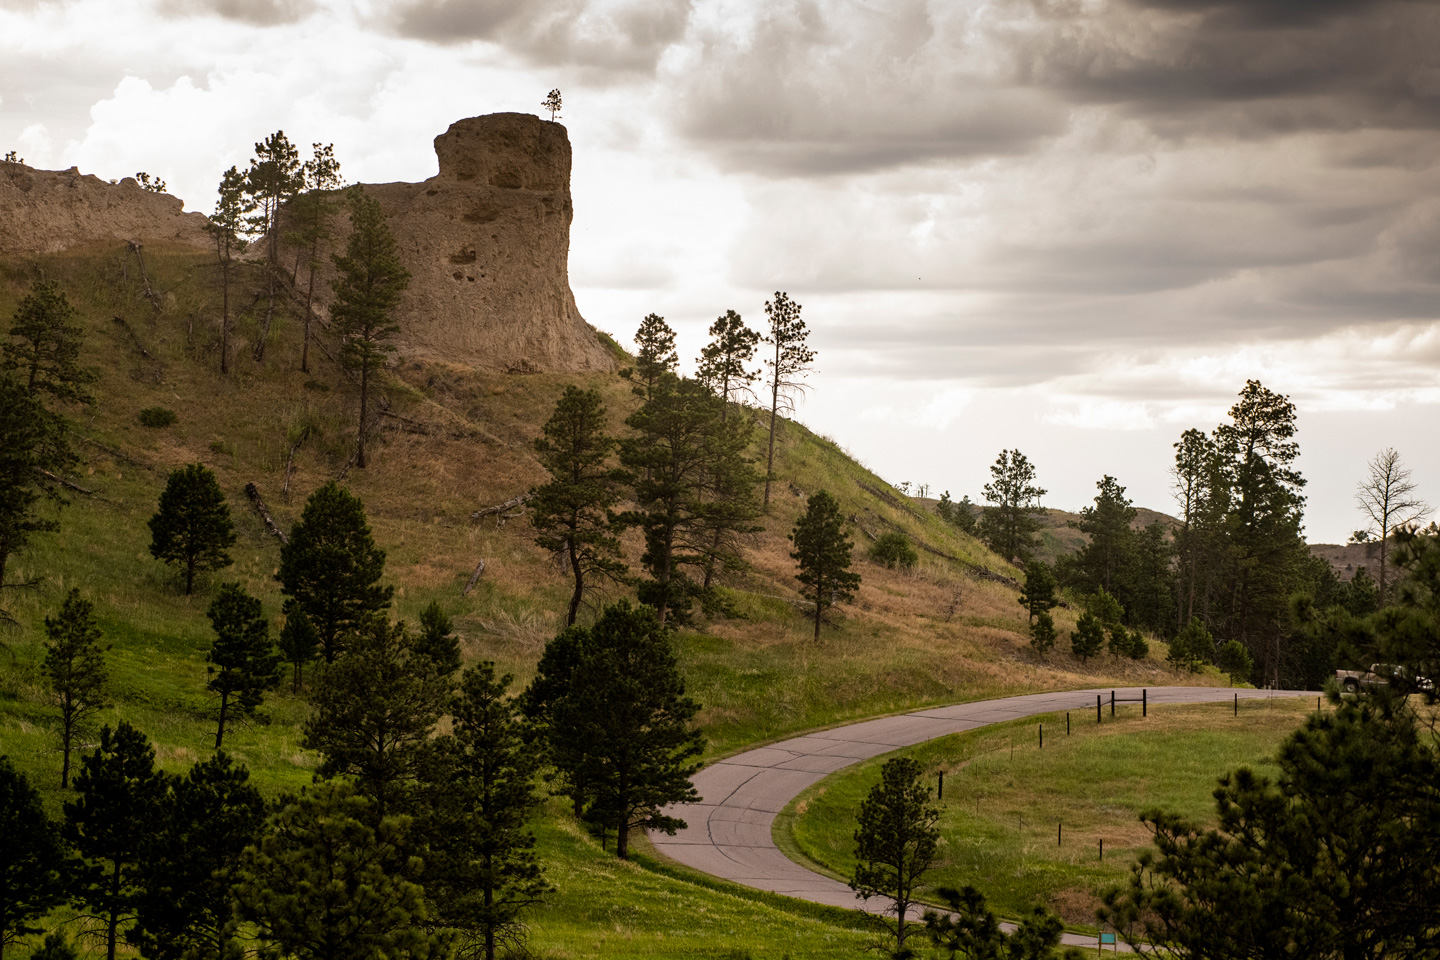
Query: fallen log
263	513
67	484
499	509
474	578
134	338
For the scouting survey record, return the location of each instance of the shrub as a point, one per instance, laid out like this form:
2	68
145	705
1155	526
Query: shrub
1234	659
157	417
1192	647
1042	632
893	549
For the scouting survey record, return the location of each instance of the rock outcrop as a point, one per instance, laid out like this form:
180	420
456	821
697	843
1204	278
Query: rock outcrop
46	211
487	243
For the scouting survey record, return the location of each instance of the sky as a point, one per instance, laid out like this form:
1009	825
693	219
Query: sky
1070	227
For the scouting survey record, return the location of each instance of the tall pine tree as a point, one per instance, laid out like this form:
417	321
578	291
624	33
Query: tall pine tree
822	554
75	671
788	359
191	526
32	858
243	663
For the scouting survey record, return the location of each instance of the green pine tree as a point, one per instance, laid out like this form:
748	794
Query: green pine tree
437	644
1089	636
374	712
822	554
553	677
1009	526
75	672
572	513
481	870
655	355
1107	560
329	880
724	361
788	361
331	568
299	643
191	526
896	842
112	823
32	858
189	871
1192	648
1038	594
271	182
243	663
225	227
1042	632
26	447
44	347
624	729
368	283
311	212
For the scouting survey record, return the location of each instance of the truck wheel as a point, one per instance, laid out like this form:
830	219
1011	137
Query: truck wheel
1351	685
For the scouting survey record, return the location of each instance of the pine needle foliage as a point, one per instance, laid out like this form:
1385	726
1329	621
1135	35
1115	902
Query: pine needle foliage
191	527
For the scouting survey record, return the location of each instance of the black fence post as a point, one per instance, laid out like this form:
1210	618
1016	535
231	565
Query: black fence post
1112	703
1237	704
1097	708
940	790
1067	723
1102	848
1144	702
1042	736
1058	828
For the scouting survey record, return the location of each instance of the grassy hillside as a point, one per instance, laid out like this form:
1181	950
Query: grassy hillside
452	441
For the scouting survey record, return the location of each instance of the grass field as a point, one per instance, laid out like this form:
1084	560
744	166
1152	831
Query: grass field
1005	797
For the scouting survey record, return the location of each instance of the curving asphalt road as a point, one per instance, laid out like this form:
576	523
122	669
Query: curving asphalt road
729	829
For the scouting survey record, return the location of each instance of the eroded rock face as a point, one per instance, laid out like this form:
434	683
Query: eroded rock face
46	211
487	243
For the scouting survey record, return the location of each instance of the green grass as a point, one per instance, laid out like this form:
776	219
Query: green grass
1004	797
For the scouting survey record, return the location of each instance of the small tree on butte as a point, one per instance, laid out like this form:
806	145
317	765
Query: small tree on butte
822	552
242	662
788	361
225	227
32	858
1387	497
191	526
896	842
332	568
572	512
369	281
623	728
1009	527
112	824
553	102
75	669
481	871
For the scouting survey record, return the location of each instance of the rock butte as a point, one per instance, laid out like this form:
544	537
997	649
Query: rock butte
486	241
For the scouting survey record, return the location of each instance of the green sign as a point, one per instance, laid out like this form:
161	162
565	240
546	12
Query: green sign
1107	938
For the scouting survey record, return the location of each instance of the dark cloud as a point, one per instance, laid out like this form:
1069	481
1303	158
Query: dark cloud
260	13
798	88
622	35
1244	67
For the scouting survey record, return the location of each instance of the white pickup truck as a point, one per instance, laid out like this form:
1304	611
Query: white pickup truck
1384	675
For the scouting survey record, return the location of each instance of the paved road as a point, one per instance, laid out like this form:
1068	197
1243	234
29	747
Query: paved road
729	829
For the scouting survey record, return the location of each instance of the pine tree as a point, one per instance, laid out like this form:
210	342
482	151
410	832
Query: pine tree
481	871
822	553
225	226
271	181
299	643
970	931
32	858
1192	647
437	644
75	671
1235	661
331	568
572	513
368	284
243	661
724	360
310	212
623	729
112	822
189	871
374	711
789	361
1009	527
1107	560
1088	638
44	350
191	526
1037	596
896	842
554	675
655	355
329	880
1042	632
25	442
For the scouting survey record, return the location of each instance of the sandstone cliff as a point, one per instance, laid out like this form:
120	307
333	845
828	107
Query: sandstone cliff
487	243
46	211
